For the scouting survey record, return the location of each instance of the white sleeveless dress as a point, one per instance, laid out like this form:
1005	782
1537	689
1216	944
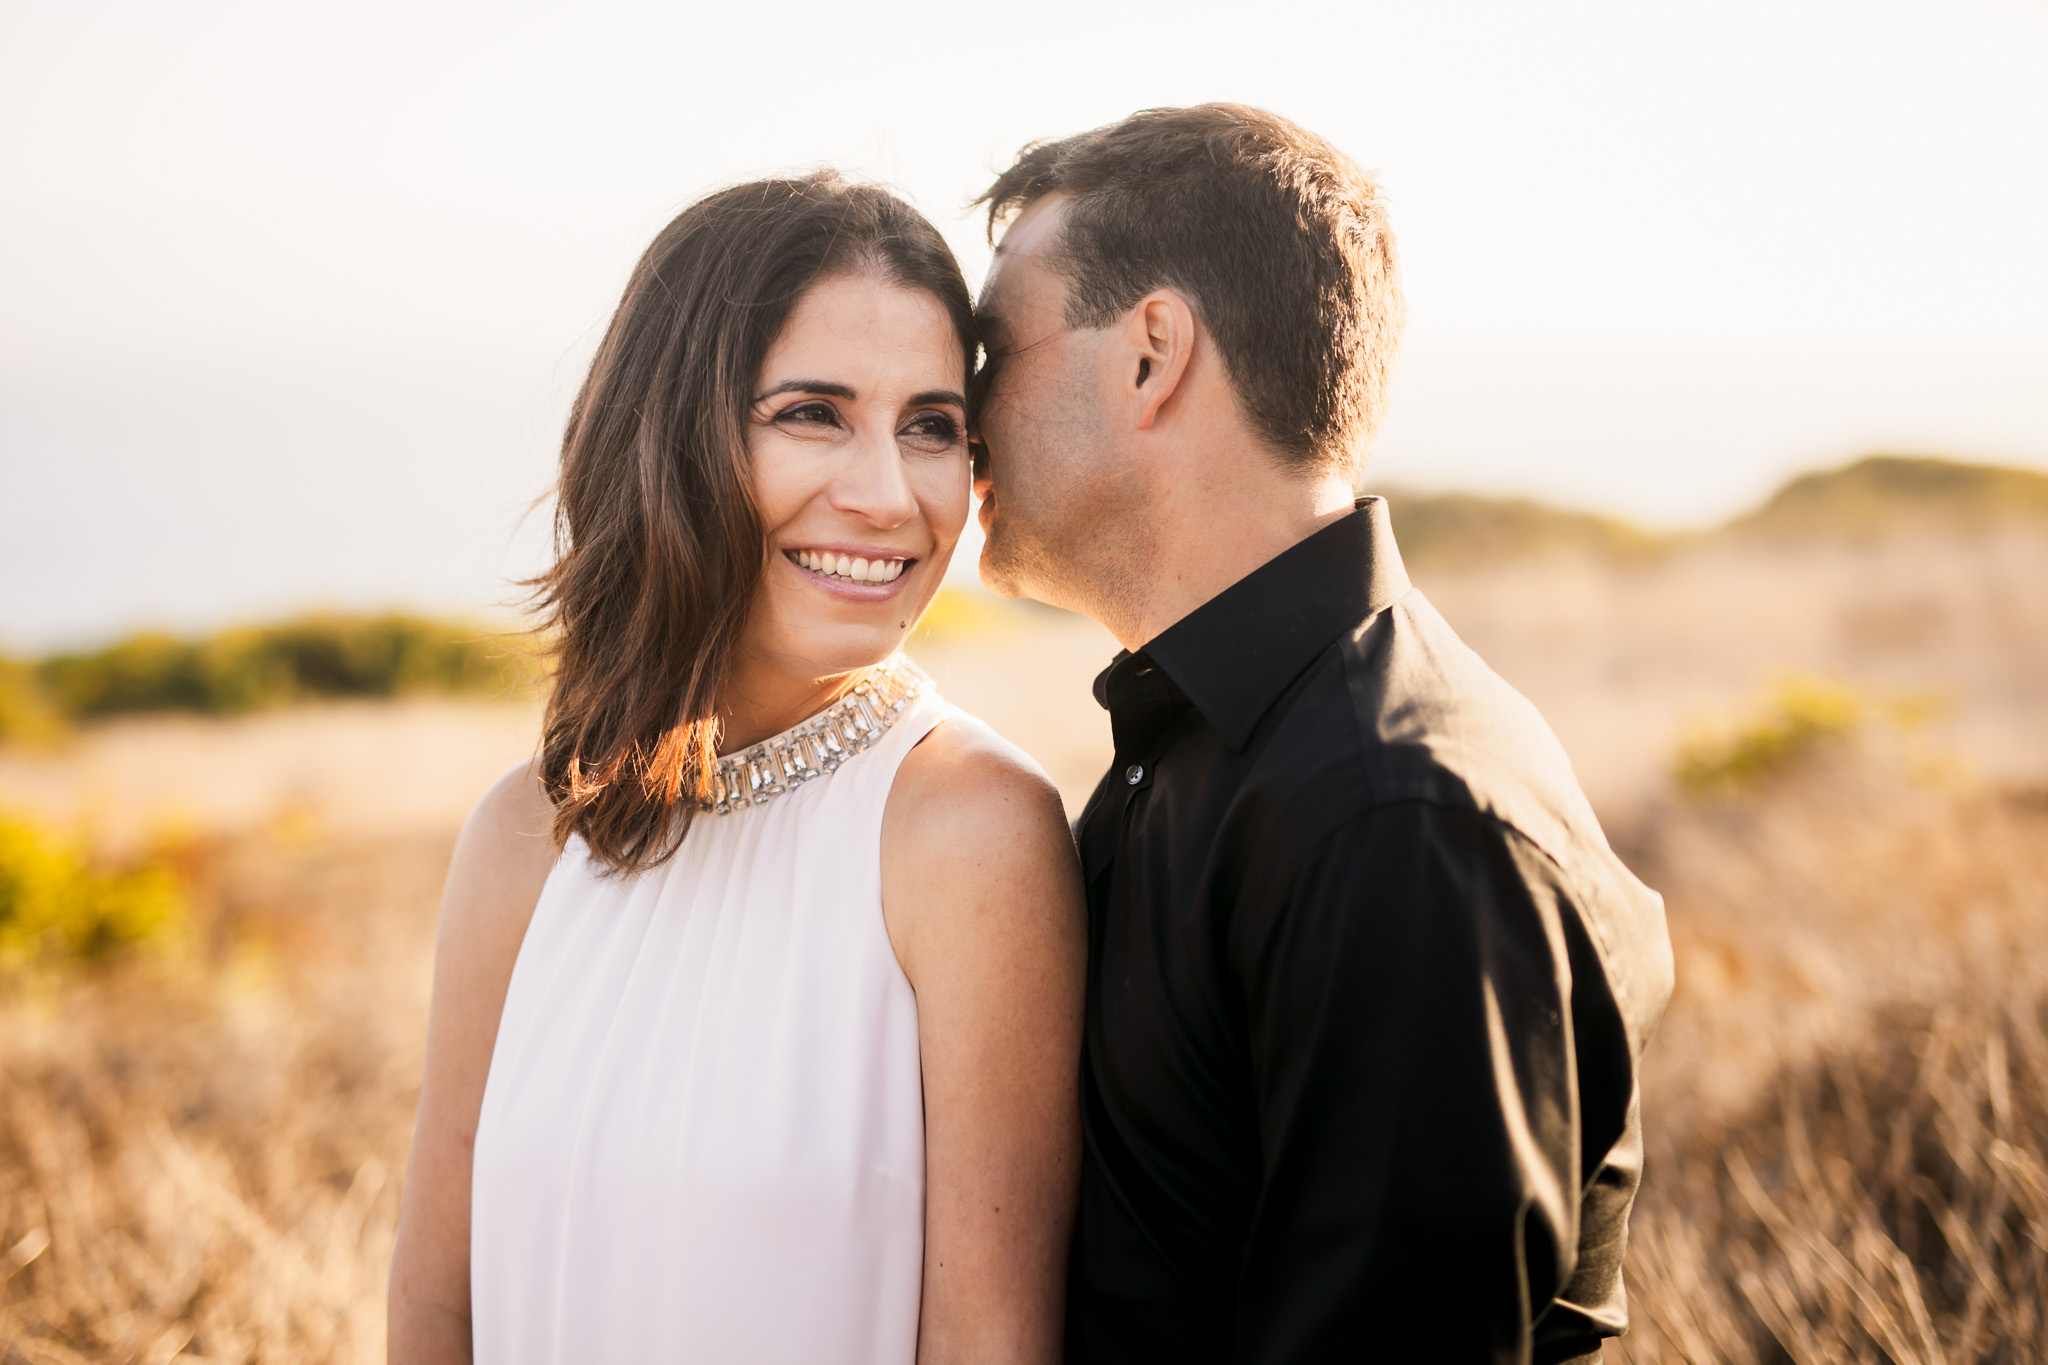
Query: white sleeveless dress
702	1137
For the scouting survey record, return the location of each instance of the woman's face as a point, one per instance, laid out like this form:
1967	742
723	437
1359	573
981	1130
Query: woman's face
858	434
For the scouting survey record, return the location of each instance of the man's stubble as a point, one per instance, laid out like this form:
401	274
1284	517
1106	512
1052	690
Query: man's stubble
1069	527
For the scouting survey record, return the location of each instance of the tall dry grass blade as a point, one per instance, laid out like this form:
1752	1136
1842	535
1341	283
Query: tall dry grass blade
33	1244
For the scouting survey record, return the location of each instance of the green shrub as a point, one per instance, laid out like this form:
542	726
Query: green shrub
26	711
1803	715
250	668
56	908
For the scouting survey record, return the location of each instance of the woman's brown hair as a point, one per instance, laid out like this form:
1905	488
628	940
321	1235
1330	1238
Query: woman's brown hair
658	543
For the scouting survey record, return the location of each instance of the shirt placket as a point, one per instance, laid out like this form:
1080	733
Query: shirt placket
1139	721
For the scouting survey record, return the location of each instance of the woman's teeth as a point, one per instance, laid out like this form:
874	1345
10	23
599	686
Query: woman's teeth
850	568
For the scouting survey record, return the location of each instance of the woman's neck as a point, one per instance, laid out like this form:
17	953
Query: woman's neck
765	696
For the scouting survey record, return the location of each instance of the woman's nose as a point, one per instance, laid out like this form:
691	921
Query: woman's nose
875	486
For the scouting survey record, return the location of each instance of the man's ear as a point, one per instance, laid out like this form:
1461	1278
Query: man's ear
1160	336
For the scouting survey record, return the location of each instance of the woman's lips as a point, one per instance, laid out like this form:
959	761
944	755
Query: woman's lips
851	566
822	568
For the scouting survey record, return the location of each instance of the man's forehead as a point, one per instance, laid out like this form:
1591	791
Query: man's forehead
1034	228
1017	274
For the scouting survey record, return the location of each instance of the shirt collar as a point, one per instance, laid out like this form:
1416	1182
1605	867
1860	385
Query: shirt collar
1235	654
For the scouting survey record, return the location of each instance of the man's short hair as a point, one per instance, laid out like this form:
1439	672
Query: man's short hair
1277	240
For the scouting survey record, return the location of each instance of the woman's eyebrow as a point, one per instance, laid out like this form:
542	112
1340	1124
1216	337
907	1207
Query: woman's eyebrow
823	386
831	389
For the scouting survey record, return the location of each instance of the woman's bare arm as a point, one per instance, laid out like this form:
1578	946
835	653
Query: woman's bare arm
981	892
500	864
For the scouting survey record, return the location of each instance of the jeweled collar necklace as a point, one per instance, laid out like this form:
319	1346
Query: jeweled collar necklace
816	747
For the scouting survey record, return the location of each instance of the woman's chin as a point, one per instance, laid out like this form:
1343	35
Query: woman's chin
835	630
825	649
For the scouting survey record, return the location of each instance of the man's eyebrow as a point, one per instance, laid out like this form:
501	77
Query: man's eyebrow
823	386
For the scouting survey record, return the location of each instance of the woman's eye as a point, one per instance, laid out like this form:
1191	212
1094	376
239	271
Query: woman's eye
934	426
820	414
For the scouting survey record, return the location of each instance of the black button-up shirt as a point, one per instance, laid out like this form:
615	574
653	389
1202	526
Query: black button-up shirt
1366	994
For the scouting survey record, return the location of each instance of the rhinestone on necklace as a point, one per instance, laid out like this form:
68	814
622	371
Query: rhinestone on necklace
815	748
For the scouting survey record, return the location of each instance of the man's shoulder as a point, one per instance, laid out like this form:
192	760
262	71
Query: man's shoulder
1399	710
1434	723
1407	714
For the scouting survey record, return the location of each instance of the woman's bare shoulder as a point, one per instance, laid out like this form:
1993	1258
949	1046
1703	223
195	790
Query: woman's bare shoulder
502	859
977	861
513	809
964	777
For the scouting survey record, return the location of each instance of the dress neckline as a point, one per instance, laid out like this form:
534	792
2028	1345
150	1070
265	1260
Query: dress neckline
816	747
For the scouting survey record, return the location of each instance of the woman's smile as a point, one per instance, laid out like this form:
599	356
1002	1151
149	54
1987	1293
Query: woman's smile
855	573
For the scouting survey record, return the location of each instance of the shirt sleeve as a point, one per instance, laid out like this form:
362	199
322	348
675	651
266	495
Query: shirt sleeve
1416	1045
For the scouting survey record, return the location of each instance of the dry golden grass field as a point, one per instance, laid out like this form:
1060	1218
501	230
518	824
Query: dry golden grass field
1830	754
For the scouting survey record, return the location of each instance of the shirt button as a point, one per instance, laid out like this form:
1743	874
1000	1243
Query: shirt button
1134	774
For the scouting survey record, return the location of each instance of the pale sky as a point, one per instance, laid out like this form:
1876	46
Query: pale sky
293	298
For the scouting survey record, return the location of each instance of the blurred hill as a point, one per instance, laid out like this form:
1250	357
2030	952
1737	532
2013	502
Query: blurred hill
1875	498
1452	528
1890	494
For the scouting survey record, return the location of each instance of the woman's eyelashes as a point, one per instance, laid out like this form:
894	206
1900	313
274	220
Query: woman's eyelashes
810	414
927	431
934	431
